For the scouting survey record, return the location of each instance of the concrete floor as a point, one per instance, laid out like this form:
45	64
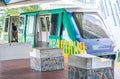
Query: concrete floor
20	69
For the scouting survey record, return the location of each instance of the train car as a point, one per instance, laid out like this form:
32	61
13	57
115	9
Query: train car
7	33
76	30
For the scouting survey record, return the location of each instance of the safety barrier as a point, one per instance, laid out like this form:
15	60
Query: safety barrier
10	51
46	59
90	67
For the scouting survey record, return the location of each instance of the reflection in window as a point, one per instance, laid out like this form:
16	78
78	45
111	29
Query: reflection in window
48	23
54	23
30	24
20	28
90	25
43	24
64	33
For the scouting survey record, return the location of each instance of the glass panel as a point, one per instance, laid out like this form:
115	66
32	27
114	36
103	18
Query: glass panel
48	23
43	24
30	24
15	20
90	25
6	25
63	32
20	28
54	23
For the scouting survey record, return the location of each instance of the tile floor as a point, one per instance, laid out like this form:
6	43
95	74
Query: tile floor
20	69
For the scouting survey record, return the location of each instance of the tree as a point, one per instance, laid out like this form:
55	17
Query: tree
17	11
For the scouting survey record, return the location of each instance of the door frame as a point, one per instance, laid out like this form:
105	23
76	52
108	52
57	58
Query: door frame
10	27
38	26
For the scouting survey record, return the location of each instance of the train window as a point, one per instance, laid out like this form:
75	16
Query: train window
54	23
90	25
20	28
63	32
30	24
6	25
48	23
43	24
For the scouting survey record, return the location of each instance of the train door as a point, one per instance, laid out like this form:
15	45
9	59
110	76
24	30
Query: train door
42	31
29	34
13	25
54	38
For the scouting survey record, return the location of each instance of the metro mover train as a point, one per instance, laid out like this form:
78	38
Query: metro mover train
75	30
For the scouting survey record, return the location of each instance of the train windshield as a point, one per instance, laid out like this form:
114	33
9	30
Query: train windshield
90	25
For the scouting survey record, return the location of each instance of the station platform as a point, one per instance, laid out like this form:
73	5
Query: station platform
20	69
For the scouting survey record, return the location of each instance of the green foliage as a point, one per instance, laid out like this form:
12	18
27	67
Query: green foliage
30	8
13	11
118	58
0	31
17	11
